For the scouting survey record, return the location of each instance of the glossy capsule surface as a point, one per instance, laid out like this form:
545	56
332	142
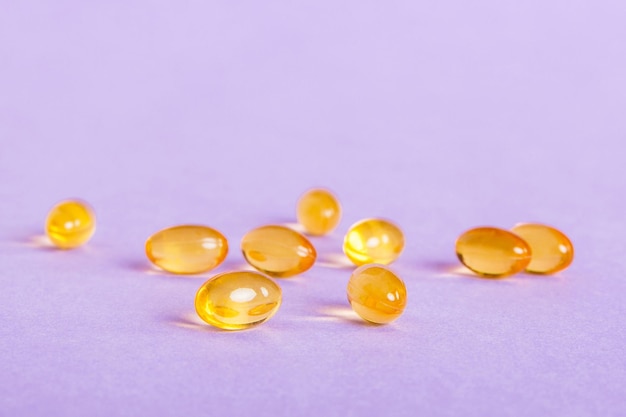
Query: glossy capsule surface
70	223
278	251
373	241
187	249
318	211
238	300
552	251
376	293
493	252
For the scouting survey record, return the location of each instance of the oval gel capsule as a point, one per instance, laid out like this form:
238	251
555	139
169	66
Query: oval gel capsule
188	249
493	252
373	241
238	300
318	211
376	293
278	251
552	251
70	223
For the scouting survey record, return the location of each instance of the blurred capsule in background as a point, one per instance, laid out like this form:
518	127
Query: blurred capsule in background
70	223
318	211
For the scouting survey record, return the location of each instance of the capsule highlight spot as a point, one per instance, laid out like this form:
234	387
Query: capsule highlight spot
377	294
70	223
552	250
187	249
238	300
373	241
278	251
493	252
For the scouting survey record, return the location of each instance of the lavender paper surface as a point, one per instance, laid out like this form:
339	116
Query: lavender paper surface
439	116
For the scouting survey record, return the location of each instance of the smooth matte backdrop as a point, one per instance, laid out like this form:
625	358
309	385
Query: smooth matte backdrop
440	116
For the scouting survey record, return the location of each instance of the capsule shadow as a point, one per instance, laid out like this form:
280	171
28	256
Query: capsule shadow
286	222
231	265
43	243
191	321
293	226
335	260
342	313
449	269
38	241
149	269
299	279
532	275
458	271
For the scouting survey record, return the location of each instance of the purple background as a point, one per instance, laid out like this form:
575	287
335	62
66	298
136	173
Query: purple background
439	115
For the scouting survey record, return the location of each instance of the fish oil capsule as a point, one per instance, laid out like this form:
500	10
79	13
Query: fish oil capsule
318	211
238	300
493	252
278	251
70	223
376	293
373	241
552	251
187	249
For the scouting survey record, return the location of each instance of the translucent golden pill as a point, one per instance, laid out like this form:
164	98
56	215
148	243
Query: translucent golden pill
70	223
376	293
238	300
373	241
188	249
318	211
278	251
493	252
552	251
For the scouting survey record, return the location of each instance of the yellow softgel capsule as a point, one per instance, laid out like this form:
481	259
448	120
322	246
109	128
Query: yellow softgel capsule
187	249
238	300
278	251
373	241
552	251
70	223
318	211
493	252
376	293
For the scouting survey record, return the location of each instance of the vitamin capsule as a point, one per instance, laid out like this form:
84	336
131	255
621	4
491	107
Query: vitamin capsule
376	293
188	249
70	223
552	251
318	211
278	251
238	300
373	241
493	252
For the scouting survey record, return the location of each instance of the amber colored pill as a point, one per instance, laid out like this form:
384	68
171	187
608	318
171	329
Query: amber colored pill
70	223
373	241
318	211
278	251
238	300
376	293
493	252
187	249
552	251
